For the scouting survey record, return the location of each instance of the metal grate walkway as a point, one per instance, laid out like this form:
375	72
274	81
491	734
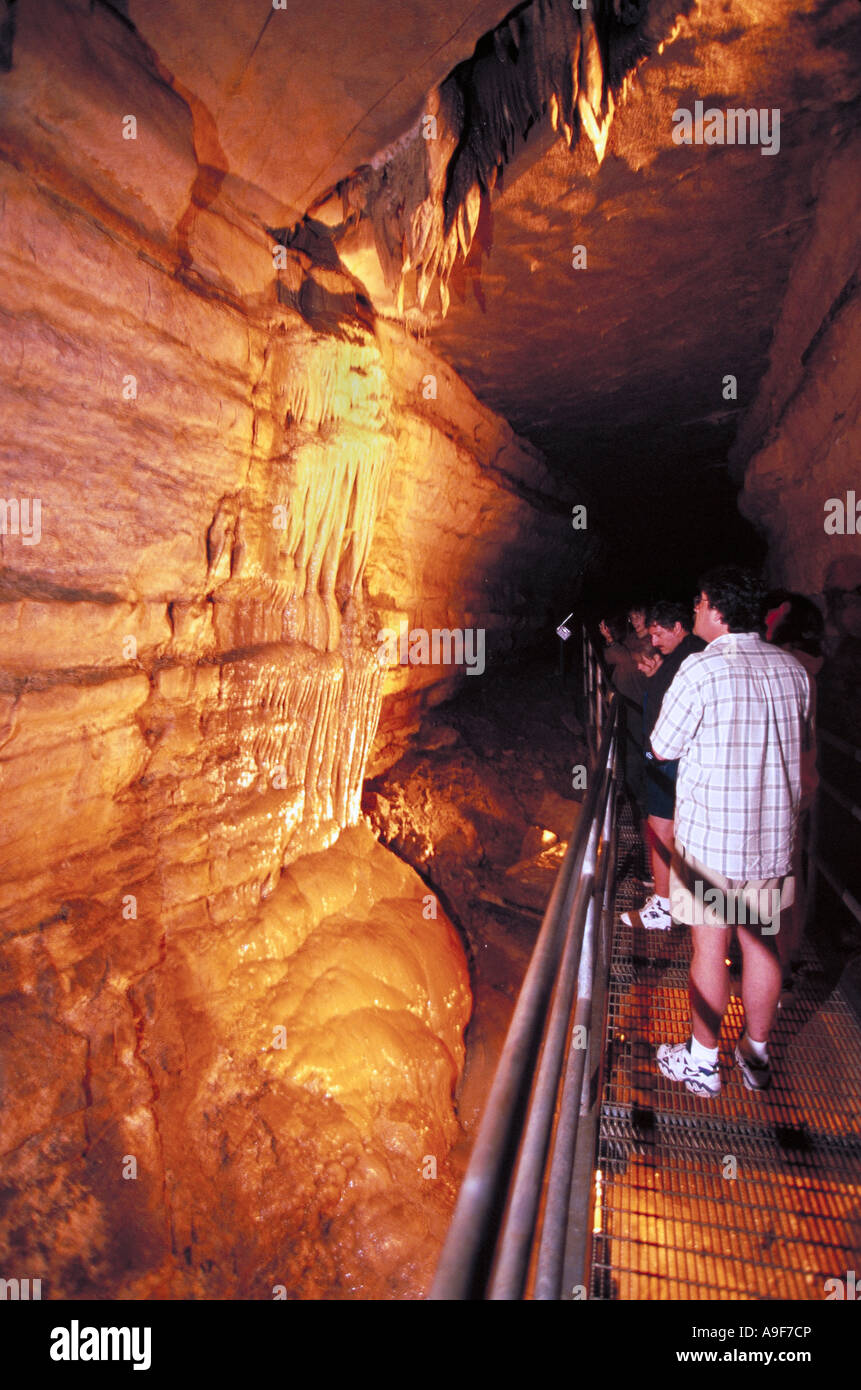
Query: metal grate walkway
747	1196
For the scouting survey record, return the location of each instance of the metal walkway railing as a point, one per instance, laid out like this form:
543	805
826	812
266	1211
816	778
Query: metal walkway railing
591	1176
817	863
510	1236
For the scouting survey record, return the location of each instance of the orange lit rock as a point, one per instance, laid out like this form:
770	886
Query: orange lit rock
309	1144
231	501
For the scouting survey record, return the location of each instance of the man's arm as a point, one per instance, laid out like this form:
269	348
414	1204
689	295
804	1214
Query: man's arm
679	719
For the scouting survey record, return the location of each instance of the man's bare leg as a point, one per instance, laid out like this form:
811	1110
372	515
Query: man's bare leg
660	836
760	981
709	982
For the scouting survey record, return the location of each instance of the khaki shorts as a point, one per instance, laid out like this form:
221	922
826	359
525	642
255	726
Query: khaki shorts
701	897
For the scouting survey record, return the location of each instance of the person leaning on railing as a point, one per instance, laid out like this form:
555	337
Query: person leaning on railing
631	684
668	626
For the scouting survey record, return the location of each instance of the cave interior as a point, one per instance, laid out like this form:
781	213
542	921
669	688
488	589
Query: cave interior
323	322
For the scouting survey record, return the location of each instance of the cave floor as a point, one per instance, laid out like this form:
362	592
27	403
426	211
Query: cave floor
748	1196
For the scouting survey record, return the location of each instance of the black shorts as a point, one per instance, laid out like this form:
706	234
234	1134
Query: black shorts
661	788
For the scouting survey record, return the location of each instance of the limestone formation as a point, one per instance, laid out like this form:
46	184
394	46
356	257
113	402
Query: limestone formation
800	440
236	451
234	496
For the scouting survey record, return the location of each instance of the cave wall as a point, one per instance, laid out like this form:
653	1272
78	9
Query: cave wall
235	492
800	441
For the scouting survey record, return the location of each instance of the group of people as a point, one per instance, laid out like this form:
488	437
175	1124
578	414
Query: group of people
720	707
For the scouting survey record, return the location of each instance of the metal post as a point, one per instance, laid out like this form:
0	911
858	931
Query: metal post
469	1245
812	851
552	1250
513	1258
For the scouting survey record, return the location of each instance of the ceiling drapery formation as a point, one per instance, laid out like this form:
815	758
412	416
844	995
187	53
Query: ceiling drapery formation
400	222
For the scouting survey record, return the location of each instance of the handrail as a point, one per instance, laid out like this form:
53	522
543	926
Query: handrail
816	864
851	806
515	1233
492	1236
840	743
573	1107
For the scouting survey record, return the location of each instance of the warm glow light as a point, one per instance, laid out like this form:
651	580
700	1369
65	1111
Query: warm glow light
671	37
598	1217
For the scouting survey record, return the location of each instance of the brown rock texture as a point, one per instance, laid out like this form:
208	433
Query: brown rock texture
301	94
802	438
217	489
615	370
241	1112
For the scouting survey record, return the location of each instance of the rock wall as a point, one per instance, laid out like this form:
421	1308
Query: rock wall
801	439
221	477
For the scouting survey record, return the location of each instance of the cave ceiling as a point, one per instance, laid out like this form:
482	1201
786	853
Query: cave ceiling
303	94
616	370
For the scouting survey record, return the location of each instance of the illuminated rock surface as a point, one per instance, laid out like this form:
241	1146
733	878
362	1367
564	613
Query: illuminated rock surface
278	1085
233	502
245	470
804	431
473	805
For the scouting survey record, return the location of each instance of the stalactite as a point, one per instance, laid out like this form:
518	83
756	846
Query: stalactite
547	61
331	380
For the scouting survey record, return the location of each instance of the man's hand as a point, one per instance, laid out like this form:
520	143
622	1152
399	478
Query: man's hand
647	663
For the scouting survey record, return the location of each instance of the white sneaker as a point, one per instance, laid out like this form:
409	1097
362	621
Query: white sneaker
755	1074
652	916
675	1062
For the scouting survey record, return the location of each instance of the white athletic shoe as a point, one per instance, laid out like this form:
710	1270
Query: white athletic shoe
651	916
756	1075
675	1062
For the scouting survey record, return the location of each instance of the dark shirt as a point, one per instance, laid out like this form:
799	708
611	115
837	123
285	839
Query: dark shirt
658	684
623	672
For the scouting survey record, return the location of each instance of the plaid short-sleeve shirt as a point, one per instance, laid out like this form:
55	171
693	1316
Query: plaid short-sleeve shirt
736	717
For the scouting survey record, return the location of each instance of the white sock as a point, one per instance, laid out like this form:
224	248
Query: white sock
703	1056
759	1050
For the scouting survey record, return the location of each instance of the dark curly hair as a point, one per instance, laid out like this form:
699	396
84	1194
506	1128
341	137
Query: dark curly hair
666	612
737	594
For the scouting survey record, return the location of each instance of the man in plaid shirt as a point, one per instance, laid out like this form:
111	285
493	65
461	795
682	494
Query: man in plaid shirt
737	717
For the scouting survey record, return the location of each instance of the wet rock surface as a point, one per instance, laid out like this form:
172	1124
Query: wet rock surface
485	820
266	1107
